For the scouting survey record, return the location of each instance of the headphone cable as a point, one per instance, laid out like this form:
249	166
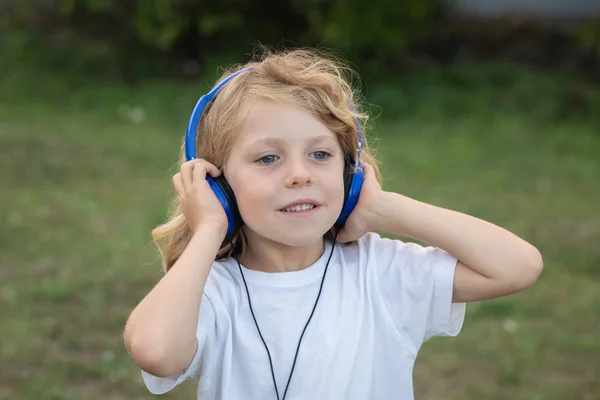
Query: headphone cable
337	229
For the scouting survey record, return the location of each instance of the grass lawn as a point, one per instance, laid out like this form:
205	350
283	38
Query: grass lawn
85	173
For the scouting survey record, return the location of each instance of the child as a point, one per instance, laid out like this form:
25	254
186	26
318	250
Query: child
276	285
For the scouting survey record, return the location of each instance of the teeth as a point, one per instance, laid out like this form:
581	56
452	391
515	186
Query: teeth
299	207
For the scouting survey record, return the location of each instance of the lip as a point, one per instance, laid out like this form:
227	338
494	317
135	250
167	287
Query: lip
301	201
301	214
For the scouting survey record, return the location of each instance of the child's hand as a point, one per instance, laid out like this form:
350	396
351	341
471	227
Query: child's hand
199	203
363	217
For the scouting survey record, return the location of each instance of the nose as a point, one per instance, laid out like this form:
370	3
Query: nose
298	174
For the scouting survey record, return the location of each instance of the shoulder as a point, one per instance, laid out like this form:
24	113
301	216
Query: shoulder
382	249
395	258
373	241
374	254
368	249
414	282
223	284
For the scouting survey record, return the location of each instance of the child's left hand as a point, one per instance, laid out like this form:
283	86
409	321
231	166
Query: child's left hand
362	218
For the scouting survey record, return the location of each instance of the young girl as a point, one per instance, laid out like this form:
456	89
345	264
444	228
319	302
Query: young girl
276	285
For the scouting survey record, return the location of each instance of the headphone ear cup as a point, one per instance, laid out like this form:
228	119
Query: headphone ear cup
348	175
227	199
353	181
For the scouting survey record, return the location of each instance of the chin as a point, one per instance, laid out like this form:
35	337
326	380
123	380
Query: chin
300	236
293	239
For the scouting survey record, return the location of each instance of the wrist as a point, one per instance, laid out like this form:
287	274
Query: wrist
392	213
379	212
211	229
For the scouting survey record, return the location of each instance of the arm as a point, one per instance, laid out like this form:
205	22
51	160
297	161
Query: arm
492	261
160	333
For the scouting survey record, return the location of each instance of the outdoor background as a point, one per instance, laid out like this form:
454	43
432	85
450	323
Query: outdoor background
487	107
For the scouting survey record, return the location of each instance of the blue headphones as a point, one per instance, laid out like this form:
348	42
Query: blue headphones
353	171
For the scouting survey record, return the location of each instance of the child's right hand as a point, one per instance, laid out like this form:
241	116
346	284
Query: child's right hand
199	203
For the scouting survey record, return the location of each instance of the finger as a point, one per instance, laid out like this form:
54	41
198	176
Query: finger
369	172
199	174
212	170
187	170
366	167
178	185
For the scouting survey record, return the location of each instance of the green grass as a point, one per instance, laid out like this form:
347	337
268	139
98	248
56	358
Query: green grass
82	184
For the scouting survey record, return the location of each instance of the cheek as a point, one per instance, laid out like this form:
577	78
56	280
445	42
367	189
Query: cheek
254	200
252	194
330	184
334	187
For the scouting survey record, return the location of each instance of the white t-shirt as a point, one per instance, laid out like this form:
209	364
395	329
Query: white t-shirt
382	298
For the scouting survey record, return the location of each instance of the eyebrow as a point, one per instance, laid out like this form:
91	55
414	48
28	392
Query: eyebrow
277	141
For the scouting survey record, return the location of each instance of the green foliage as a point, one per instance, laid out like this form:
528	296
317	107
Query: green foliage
177	30
588	35
381	27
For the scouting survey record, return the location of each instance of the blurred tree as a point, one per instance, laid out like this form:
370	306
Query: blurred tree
588	35
373	31
127	32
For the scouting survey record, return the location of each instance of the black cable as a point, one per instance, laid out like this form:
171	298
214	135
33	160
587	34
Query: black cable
305	326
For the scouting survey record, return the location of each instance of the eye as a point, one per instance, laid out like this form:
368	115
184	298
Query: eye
269	159
321	155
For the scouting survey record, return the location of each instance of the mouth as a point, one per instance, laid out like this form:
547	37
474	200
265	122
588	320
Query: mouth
298	208
301	206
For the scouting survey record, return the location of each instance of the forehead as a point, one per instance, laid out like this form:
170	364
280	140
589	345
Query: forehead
267	120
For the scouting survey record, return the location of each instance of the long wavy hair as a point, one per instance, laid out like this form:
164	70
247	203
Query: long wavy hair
315	80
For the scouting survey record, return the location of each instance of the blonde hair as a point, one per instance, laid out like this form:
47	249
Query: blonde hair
314	80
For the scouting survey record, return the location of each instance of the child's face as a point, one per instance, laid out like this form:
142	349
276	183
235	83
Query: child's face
283	155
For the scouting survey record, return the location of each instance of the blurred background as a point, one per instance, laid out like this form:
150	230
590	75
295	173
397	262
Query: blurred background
487	107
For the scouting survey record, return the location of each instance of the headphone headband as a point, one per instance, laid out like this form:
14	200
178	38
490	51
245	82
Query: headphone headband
192	128
190	134
358	134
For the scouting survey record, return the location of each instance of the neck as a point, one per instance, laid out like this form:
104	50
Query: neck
269	256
